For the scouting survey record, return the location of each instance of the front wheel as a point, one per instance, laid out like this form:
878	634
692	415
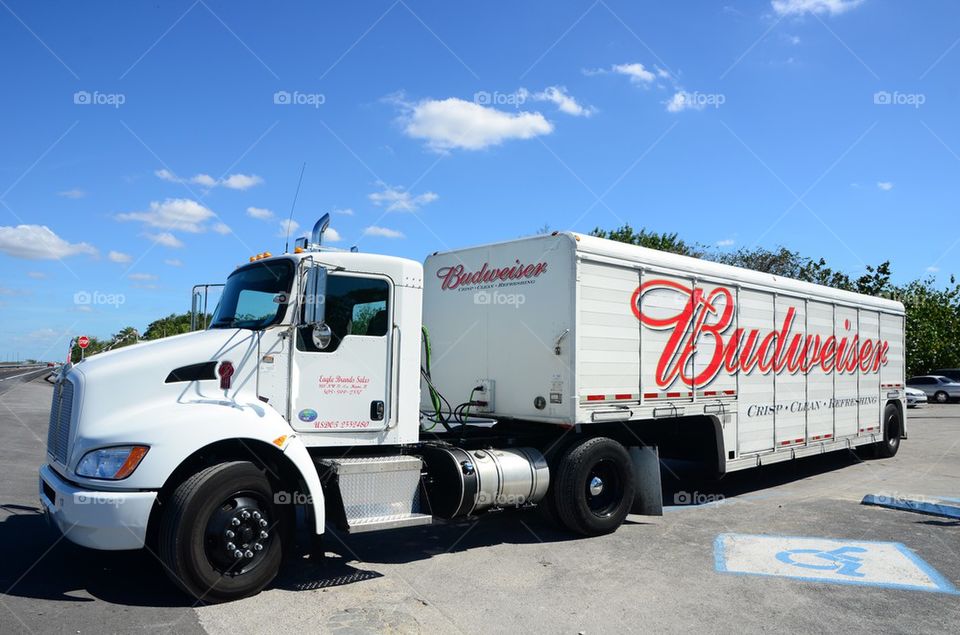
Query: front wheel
220	536
941	397
594	489
892	429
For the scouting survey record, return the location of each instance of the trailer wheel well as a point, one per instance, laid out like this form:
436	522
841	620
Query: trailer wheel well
279	470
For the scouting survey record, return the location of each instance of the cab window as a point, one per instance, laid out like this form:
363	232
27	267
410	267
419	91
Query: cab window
355	306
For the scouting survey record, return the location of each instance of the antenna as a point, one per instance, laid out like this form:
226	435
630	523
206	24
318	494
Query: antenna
286	245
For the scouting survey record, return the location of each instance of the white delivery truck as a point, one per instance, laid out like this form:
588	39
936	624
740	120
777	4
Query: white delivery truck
545	371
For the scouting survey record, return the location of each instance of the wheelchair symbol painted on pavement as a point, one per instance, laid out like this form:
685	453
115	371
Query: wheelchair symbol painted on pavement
836	560
890	565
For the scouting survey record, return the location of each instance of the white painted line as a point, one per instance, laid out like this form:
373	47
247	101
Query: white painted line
859	562
35	370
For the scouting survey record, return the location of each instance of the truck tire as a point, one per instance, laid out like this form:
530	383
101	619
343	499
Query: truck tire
223	506
892	429
594	488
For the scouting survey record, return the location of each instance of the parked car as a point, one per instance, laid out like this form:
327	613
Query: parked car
915	397
950	373
937	387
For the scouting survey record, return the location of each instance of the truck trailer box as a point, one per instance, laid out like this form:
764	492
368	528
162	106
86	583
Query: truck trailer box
572	329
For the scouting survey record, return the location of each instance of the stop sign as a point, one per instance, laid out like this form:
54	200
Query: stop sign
83	341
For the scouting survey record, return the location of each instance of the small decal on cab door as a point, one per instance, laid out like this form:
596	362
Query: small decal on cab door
307	415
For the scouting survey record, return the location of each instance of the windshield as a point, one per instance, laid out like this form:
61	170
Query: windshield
249	299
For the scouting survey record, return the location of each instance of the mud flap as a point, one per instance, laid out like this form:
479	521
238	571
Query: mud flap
648	500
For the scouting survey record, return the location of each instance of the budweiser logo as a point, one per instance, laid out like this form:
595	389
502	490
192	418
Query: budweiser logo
457	276
702	324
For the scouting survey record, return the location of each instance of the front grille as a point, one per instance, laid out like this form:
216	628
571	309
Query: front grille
58	435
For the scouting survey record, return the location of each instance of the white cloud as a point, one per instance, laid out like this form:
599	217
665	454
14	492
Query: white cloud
142	276
74	193
682	100
564	101
203	179
933	269
800	7
173	262
38	242
260	213
222	228
382	232
174	213
166	239
451	123
234	181
288	227
120	257
37	275
399	200
637	72
241	181
886	186
346	211
167	175
726	242
332	235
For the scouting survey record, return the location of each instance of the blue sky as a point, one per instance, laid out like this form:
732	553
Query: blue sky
149	146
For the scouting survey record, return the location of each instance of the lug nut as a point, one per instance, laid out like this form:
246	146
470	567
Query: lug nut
257	546
264	535
230	534
245	515
256	515
231	546
237	554
248	554
263	523
235	522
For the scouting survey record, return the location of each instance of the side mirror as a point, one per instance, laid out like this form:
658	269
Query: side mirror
314	296
321	335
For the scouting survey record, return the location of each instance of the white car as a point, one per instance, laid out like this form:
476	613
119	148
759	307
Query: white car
915	397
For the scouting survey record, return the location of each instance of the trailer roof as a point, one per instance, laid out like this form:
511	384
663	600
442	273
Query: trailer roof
698	266
636	255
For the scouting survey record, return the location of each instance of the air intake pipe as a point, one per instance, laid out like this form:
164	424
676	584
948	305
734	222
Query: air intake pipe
316	238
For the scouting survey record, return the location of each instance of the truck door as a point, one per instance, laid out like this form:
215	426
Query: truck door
344	386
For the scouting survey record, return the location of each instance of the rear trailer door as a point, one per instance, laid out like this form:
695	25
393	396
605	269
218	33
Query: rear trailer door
501	317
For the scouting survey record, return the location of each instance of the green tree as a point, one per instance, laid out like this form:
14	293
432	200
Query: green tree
173	324
653	240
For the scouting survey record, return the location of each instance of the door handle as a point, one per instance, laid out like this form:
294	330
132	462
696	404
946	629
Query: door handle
376	410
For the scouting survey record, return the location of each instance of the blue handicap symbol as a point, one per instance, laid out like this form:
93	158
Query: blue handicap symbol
835	560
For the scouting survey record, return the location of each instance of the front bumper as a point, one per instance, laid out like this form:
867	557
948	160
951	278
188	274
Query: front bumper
96	519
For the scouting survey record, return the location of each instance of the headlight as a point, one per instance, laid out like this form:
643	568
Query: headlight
111	463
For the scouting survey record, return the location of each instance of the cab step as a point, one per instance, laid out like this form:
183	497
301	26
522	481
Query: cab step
374	493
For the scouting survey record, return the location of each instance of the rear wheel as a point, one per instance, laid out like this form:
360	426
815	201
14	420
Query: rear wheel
941	397
220	535
892	429
594	488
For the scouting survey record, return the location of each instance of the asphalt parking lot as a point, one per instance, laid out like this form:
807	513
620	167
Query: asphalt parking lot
734	559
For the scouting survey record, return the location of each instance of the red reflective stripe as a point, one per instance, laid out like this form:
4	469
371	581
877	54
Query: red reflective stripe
709	393
673	394
651	395
798	441
623	396
729	392
595	397
827	436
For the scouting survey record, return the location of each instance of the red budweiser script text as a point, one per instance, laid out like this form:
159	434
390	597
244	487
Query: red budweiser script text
457	276
702	323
